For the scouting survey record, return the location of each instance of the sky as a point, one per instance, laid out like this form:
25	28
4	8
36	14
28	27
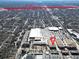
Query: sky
39	0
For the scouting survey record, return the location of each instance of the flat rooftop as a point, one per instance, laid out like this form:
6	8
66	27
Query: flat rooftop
35	32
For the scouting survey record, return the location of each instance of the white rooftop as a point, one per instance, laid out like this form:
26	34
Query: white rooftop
39	57
39	42
71	31
36	32
53	28
60	28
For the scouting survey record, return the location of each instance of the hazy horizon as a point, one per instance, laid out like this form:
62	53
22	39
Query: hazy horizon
38	0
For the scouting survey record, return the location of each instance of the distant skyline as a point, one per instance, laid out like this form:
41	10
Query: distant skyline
39	0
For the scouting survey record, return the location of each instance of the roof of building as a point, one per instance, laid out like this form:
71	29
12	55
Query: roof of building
60	28
39	42
39	57
71	31
53	28
36	32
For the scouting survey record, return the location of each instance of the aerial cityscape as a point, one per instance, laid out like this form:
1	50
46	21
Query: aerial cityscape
39	30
